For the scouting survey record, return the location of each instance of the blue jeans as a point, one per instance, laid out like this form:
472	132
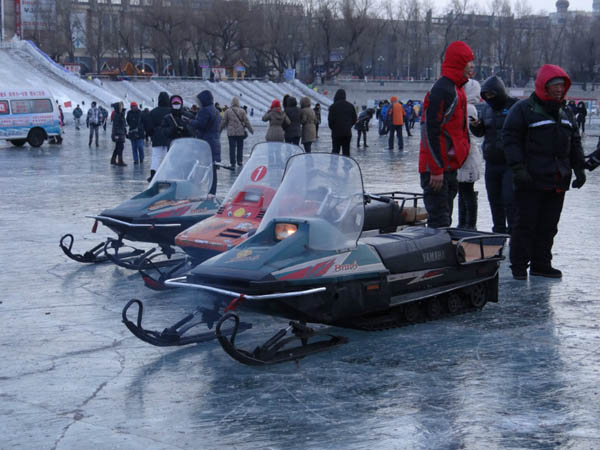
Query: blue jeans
398	130
137	148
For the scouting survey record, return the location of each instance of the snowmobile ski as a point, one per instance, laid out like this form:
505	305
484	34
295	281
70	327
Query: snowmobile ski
175	335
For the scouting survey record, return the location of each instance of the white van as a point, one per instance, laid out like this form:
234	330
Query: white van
28	115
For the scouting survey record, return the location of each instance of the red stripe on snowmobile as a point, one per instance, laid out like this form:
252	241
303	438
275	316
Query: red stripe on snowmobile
317	267
433	273
173	213
296	275
326	268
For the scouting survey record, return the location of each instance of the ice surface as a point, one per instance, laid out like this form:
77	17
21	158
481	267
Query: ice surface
523	373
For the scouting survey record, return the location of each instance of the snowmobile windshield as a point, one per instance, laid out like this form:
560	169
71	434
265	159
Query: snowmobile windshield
188	164
264	168
327	191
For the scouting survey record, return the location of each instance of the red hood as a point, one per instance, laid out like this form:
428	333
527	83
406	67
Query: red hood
458	54
545	74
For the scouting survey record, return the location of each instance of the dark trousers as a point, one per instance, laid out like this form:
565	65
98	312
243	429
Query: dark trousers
307	146
236	147
439	204
317	130
467	206
117	156
535	224
213	186
407	126
93	131
341	142
581	124
499	187
293	140
364	136
398	130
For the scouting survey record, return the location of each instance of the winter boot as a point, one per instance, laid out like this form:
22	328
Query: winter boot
545	271
519	273
471	206
152	172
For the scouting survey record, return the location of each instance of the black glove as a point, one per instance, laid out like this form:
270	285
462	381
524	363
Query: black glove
592	161
579	178
521	177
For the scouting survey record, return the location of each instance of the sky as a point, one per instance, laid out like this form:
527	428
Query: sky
549	5
538	5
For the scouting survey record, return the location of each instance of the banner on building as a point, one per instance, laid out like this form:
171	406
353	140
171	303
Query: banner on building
73	67
35	15
78	29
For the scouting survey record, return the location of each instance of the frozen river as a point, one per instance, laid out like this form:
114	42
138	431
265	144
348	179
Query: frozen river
523	373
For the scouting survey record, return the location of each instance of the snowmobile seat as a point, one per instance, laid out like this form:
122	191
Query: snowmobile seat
413	248
382	216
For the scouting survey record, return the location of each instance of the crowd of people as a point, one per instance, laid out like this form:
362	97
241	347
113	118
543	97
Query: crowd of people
530	152
531	148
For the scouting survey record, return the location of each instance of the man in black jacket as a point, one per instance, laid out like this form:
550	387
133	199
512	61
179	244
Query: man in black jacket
119	130
498	176
160	142
136	132
341	118
542	146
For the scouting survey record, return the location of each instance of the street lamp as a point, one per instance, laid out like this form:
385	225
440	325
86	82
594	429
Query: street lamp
209	55
142	58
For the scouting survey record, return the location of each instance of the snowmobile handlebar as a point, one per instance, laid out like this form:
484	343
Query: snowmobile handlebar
379	198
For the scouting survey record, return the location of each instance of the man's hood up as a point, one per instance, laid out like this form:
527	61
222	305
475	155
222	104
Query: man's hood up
545	74
163	99
205	98
457	55
339	95
494	85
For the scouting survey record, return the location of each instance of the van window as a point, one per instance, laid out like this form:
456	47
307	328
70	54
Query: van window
31	106
3	107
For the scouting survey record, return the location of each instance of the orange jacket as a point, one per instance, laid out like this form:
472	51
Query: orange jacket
397	113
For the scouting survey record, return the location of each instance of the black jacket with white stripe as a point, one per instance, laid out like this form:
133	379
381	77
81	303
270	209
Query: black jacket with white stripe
543	137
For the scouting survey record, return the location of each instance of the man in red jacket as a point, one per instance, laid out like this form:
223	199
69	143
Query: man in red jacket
444	134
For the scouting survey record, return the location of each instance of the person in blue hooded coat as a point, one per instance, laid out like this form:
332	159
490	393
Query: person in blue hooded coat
207	126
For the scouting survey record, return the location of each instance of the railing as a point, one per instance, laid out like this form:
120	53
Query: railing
103	76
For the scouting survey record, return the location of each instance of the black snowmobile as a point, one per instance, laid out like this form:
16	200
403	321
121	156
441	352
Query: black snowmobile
308	262
176	199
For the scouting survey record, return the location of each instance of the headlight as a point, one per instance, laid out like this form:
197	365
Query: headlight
283	230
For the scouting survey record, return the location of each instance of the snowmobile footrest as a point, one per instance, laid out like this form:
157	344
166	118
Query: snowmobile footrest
273	351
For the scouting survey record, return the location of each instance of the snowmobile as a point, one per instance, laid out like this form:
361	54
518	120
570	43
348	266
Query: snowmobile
176	199
317	257
237	218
